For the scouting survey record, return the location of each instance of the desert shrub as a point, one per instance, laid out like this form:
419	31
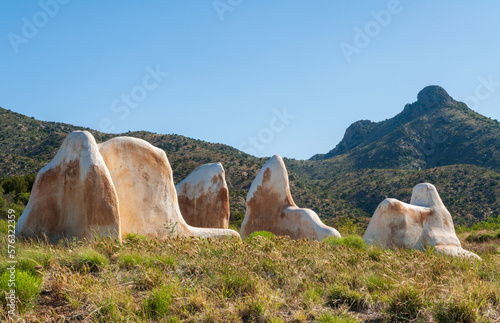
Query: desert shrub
15	184
238	219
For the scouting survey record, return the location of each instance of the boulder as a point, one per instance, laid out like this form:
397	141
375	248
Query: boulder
422	223
73	196
144	183
204	197
270	207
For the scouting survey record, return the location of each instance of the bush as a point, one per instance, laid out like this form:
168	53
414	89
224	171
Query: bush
347	226
238	219
483	237
22	198
15	184
18	210
492	223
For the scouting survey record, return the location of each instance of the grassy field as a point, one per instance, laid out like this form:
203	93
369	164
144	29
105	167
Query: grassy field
261	279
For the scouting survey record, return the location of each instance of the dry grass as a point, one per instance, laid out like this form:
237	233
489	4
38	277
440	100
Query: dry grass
262	279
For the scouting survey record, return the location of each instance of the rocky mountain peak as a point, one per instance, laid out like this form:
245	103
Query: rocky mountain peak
433	95
429	98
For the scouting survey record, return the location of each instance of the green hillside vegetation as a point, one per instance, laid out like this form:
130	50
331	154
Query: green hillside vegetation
333	187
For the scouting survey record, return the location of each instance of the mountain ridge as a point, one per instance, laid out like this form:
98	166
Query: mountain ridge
429	132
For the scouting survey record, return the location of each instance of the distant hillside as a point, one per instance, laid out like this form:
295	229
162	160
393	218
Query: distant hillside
27	144
433	131
348	183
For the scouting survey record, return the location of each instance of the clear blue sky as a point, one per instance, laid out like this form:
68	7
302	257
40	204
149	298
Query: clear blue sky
219	70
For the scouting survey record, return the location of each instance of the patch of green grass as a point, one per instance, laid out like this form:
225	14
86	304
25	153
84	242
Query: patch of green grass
339	295
158	304
4	224
42	257
351	241
131	259
330	318
253	311
108	311
456	310
375	253
312	295
265	234
27	288
87	260
134	238
237	284
406	304
376	282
